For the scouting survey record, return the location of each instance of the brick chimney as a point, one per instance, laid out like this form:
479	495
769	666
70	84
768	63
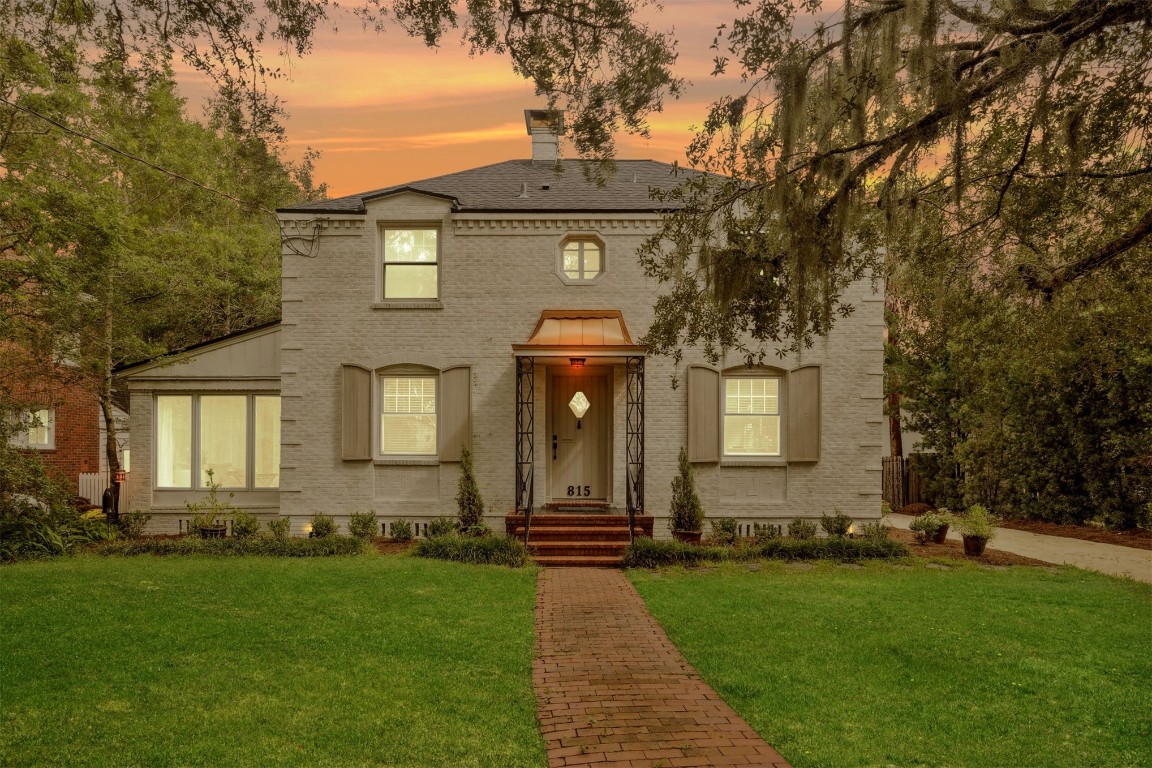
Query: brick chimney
544	127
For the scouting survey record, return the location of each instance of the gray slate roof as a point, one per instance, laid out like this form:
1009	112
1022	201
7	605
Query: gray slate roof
527	186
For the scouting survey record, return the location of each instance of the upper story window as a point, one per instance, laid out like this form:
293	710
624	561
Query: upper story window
37	430
236	436
411	263
581	259
752	416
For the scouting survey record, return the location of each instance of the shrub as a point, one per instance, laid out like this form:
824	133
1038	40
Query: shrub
645	552
761	533
916	509
977	521
876	531
211	511
468	501
801	529
133	524
280	528
926	526
441	526
479	529
724	531
401	530
257	545
244	525
30	529
362	525
686	513
488	550
648	553
885	509
323	525
837	525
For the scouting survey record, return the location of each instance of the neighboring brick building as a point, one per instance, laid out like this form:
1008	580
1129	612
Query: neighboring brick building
66	432
500	307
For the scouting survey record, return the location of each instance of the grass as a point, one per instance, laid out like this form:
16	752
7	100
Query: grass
885	665
260	661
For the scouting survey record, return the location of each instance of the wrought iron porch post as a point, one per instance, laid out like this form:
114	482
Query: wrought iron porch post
525	436
634	423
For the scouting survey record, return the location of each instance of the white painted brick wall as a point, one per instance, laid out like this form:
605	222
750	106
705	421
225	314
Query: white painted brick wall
495	281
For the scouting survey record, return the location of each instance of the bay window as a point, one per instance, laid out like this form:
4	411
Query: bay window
237	436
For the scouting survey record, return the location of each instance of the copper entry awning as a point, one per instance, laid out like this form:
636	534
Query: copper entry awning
587	332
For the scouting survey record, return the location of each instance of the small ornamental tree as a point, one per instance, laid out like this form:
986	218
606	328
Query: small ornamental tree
468	501
686	512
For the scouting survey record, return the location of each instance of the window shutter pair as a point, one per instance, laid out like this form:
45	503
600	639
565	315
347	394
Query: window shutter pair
803	418
454	412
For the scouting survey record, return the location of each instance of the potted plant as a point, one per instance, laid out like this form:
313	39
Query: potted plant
977	527
686	518
210	515
928	527
946	521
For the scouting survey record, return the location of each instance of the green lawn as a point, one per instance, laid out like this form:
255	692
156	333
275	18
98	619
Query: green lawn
255	661
889	666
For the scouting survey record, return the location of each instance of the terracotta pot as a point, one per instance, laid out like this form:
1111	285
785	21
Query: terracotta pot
974	545
941	532
688	537
213	532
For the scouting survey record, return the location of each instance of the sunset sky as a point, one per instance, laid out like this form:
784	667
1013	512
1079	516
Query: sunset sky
383	109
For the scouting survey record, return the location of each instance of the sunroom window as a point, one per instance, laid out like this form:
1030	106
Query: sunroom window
237	436
411	263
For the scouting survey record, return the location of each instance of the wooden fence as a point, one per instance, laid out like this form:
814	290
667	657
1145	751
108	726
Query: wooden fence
903	485
92	485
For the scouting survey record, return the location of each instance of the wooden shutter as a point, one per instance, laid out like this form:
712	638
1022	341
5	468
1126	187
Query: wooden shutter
455	412
803	405
703	414
355	413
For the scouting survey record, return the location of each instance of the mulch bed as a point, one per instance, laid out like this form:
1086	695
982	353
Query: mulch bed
1135	537
954	550
389	547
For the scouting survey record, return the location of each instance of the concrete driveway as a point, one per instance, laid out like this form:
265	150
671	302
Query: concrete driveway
1106	558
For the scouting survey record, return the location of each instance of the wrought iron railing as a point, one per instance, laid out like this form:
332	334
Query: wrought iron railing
525	428
634	427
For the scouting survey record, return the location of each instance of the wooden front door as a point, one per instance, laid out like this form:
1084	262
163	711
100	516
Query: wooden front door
580	448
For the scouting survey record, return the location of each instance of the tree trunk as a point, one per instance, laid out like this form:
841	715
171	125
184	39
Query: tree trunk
895	436
110	447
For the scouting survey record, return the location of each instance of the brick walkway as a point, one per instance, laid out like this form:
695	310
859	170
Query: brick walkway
612	690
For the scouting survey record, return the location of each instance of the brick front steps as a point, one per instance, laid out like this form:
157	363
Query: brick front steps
588	540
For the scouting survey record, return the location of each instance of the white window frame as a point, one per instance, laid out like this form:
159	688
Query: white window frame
196	469
578	237
780	415
405	372
382	265
28	422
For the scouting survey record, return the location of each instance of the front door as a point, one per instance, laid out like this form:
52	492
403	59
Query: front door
580	446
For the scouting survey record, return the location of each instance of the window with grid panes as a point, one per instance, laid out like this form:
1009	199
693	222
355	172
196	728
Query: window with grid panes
411	263
408	415
752	416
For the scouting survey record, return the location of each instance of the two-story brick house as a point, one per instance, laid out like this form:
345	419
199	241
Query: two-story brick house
501	308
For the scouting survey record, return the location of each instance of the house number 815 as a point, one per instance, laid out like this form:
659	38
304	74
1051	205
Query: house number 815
579	490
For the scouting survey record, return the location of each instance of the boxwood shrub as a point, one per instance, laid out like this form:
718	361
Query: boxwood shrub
649	553
487	550
259	545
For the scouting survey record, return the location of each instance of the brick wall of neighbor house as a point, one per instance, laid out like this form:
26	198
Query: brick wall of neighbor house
498	272
77	433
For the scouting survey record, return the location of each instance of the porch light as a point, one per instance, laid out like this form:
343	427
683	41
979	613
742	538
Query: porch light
579	404
577	362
